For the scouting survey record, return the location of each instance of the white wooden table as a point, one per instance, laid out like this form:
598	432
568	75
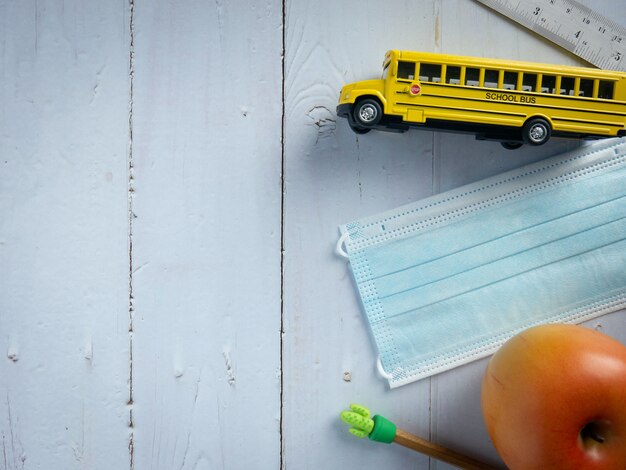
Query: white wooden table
172	176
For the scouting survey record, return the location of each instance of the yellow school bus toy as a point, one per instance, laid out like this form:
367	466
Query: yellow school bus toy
512	102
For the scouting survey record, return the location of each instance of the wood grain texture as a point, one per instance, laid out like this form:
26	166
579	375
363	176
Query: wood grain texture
206	234
172	179
333	176
63	235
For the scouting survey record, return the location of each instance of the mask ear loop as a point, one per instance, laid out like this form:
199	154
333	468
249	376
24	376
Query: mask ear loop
383	373
339	247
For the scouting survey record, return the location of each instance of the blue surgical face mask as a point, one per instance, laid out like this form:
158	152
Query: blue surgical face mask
448	279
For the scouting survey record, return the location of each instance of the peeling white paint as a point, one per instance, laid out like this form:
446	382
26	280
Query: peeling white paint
63	256
13	354
230	371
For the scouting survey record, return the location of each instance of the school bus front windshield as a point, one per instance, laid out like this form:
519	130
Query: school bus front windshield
385	71
510	101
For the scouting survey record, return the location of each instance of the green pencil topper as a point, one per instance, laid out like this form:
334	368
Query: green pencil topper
380	429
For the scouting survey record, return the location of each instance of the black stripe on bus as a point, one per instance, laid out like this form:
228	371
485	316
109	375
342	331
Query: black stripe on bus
504	113
580	121
417	105
550	106
521	92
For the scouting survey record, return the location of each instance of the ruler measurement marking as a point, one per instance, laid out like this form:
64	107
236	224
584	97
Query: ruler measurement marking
571	25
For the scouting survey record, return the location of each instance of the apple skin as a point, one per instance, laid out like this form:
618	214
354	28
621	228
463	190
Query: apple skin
548	391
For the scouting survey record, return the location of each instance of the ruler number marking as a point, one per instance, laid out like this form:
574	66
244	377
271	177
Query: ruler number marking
571	25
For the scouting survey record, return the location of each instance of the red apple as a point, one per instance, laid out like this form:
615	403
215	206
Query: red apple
554	397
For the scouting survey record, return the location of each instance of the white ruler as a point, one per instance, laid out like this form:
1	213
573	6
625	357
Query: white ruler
575	27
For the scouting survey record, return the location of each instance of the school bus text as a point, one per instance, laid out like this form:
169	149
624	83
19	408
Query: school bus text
510	97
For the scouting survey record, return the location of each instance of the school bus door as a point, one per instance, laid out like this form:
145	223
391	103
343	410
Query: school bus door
404	92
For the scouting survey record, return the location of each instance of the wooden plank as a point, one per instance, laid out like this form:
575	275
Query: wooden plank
333	177
455	414
206	234
63	235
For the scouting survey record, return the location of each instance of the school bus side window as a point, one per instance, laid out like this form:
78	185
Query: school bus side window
605	90
453	74
548	84
491	78
510	81
472	76
529	82
567	86
406	70
586	87
430	73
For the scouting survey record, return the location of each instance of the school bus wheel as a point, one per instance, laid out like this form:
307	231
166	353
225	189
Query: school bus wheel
536	131
367	113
